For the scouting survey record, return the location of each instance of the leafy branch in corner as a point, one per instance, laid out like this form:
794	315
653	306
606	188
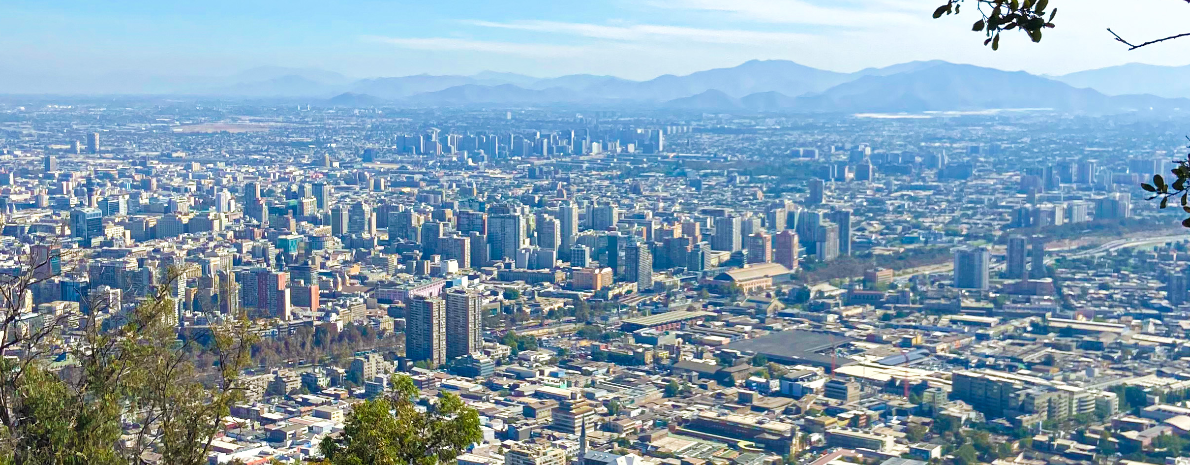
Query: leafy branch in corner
1028	16
1179	189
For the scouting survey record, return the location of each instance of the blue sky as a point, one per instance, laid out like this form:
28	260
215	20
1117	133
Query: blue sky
635	39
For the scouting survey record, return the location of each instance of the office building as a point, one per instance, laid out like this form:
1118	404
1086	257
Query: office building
425	330
86	223
93	143
580	256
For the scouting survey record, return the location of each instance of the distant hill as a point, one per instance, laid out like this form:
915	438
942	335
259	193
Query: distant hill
946	86
469	94
350	99
754	86
1134	78
708	100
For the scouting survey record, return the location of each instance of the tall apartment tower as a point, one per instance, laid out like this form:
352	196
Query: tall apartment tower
549	234
817	192
843	219
464	324
760	248
425	329
638	265
727	236
1037	257
506	234
1017	263
971	268
93	142
567	225
785	245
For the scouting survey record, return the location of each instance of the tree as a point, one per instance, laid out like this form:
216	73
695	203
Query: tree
673	389
966	455
760	360
915	433
131	372
511	294
391	430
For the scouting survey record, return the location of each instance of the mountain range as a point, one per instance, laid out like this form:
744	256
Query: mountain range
754	86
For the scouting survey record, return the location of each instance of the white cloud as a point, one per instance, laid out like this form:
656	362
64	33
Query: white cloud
452	44
652	32
799	11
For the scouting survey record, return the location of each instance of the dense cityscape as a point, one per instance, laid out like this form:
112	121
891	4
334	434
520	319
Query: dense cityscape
615	287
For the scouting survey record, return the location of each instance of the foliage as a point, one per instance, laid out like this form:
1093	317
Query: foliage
590	332
391	430
511	294
130	374
1178	190
1027	16
519	343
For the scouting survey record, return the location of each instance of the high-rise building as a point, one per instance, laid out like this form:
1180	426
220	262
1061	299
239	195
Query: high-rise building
760	248
93	142
580	256
1016	259
611	255
361	220
1077	212
457	248
464	323
425	330
567	225
728	234
431	233
604	217
843	219
49	163
506	234
1177	288
86	223
971	268
1086	172
826	242
817	192
785	246
473	221
638	265
322	195
549	234
339	221
480	255
1037	257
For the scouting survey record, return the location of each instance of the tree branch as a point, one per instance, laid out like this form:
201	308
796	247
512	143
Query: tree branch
1132	46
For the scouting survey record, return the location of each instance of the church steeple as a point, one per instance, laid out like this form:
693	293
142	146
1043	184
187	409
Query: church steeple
582	442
